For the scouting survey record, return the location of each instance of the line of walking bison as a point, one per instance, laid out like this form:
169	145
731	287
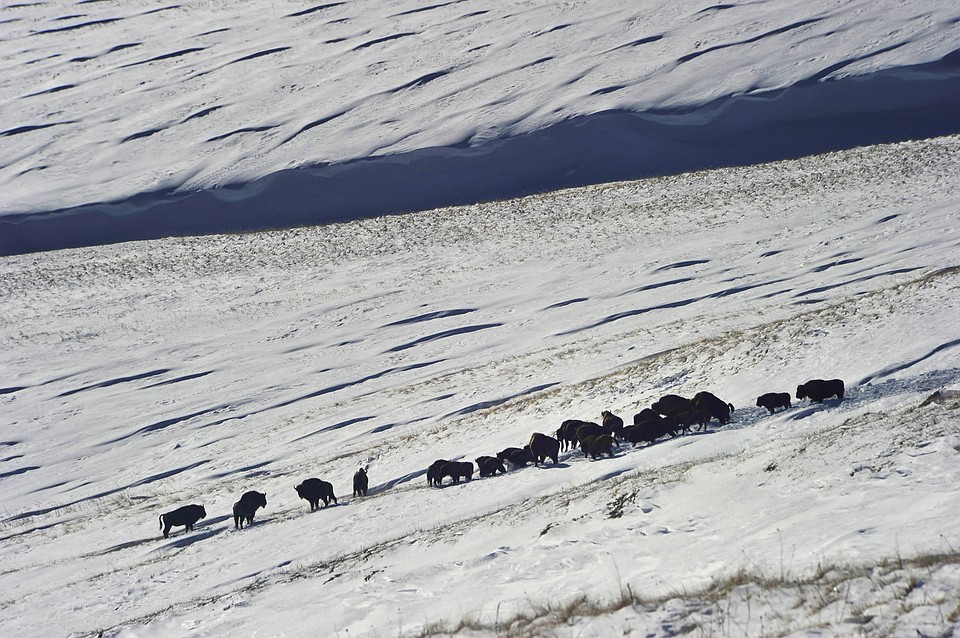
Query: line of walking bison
671	415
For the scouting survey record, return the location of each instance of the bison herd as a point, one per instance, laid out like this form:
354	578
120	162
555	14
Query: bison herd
671	415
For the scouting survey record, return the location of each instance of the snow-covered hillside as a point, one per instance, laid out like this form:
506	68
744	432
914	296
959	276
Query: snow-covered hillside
139	377
141	118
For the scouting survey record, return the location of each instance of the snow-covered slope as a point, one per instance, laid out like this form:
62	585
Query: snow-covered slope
139	377
142	119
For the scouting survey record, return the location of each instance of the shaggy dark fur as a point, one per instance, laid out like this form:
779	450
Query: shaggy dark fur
313	490
490	465
685	420
650	431
188	515
597	446
457	470
612	423
672	404
817	390
567	434
590	429
646	415
433	472
517	457
774	400
360	482
246	507
714	406
543	447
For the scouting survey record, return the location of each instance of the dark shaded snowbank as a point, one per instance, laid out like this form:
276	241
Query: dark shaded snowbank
808	118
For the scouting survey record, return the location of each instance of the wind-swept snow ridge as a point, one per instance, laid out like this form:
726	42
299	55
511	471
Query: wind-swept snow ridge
142	119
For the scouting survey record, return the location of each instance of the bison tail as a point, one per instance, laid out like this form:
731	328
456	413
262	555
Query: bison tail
161	521
730	405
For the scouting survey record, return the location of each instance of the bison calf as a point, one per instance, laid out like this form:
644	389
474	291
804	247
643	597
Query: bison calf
818	389
187	516
313	490
774	400
246	507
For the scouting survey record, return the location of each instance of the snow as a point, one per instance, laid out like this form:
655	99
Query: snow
143	119
154	374
139	376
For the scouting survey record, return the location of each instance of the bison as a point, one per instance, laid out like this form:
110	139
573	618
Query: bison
612	423
817	390
433	472
650	431
774	400
590	429
246	507
646	415
597	445
360	482
517	457
456	470
543	447
187	516
313	490
567	434
714	406
672	404
684	420
490	465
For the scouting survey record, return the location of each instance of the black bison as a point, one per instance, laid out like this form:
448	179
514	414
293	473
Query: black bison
457	470
590	429
313	490
651	430
634	434
246	507
671	404
490	465
817	390
774	400
567	434
645	416
597	445
188	515
684	420
612	423
433	472
360	482
517	457
543	447
714	406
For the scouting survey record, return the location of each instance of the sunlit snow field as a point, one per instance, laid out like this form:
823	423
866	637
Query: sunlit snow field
139	376
143	376
142	119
